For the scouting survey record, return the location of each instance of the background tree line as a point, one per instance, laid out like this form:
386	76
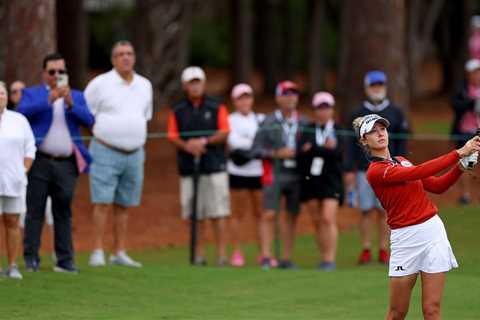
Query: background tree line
329	44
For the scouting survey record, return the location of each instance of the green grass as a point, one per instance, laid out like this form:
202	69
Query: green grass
167	288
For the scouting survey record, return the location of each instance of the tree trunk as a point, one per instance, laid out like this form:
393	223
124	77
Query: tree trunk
316	70
72	39
242	54
289	40
162	44
372	37
30	35
271	46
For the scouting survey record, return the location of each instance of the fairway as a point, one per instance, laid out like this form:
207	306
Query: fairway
167	288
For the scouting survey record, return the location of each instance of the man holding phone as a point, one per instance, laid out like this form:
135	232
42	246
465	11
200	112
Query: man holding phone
55	113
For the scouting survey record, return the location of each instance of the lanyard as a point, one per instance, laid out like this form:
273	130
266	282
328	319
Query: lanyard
289	127
322	135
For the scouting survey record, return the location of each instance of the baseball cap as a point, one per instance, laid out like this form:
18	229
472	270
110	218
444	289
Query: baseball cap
323	98
369	121
374	77
472	65
192	73
241	89
475	21
284	87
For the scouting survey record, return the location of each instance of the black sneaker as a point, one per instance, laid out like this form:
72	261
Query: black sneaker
200	262
464	200
266	263
287	265
66	267
31	265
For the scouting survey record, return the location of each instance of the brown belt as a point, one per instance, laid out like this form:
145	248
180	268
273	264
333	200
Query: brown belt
115	148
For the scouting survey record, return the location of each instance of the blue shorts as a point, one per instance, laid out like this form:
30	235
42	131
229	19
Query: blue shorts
367	200
116	177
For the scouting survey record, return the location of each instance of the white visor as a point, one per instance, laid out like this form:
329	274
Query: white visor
369	121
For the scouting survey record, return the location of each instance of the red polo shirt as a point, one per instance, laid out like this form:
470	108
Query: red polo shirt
400	186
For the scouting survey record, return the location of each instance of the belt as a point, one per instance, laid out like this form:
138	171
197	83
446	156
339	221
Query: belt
55	158
115	148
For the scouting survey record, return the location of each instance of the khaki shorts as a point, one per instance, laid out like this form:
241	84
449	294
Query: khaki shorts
213	200
12	205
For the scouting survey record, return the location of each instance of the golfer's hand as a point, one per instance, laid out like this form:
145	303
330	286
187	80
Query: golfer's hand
469	162
470	147
284	153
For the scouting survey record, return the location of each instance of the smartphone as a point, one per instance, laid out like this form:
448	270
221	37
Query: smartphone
62	80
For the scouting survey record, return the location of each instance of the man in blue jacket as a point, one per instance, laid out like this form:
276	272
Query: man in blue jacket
55	113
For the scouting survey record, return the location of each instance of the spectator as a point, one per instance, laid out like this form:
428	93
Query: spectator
18	151
122	102
15	94
474	41
276	143
466	107
55	113
198	127
356	162
244	174
320	164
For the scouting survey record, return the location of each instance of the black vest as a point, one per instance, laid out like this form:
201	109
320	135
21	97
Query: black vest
194	122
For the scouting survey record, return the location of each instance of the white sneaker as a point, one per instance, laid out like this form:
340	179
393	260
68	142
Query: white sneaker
122	259
14	273
97	258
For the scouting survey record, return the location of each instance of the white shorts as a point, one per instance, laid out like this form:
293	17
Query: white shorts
12	205
213	200
421	248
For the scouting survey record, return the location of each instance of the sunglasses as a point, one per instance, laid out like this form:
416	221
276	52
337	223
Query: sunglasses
290	92
52	72
15	91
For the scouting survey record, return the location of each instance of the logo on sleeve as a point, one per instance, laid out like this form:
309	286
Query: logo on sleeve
399	268
406	163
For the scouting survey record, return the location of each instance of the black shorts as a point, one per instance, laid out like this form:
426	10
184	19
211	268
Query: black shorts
249	183
320	191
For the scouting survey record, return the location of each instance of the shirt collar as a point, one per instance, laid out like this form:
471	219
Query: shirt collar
376	107
119	78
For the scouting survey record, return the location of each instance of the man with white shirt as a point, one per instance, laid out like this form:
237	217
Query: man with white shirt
122	103
55	113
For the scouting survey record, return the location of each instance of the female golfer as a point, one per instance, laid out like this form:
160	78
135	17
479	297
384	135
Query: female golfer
419	243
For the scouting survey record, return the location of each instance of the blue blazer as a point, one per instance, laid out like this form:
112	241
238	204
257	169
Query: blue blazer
35	107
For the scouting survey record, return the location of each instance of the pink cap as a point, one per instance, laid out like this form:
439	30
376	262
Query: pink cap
323	98
241	89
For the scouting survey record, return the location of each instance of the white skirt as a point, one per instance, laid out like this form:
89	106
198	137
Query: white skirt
421	248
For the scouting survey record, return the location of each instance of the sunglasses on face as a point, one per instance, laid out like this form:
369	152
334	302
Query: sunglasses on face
52	72
15	91
290	93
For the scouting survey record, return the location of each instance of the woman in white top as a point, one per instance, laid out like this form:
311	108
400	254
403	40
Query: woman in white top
245	174
17	145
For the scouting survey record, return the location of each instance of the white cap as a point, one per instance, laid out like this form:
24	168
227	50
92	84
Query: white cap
472	65
241	89
192	73
369	121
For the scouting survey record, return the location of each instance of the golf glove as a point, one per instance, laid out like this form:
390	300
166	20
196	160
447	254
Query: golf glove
469	162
